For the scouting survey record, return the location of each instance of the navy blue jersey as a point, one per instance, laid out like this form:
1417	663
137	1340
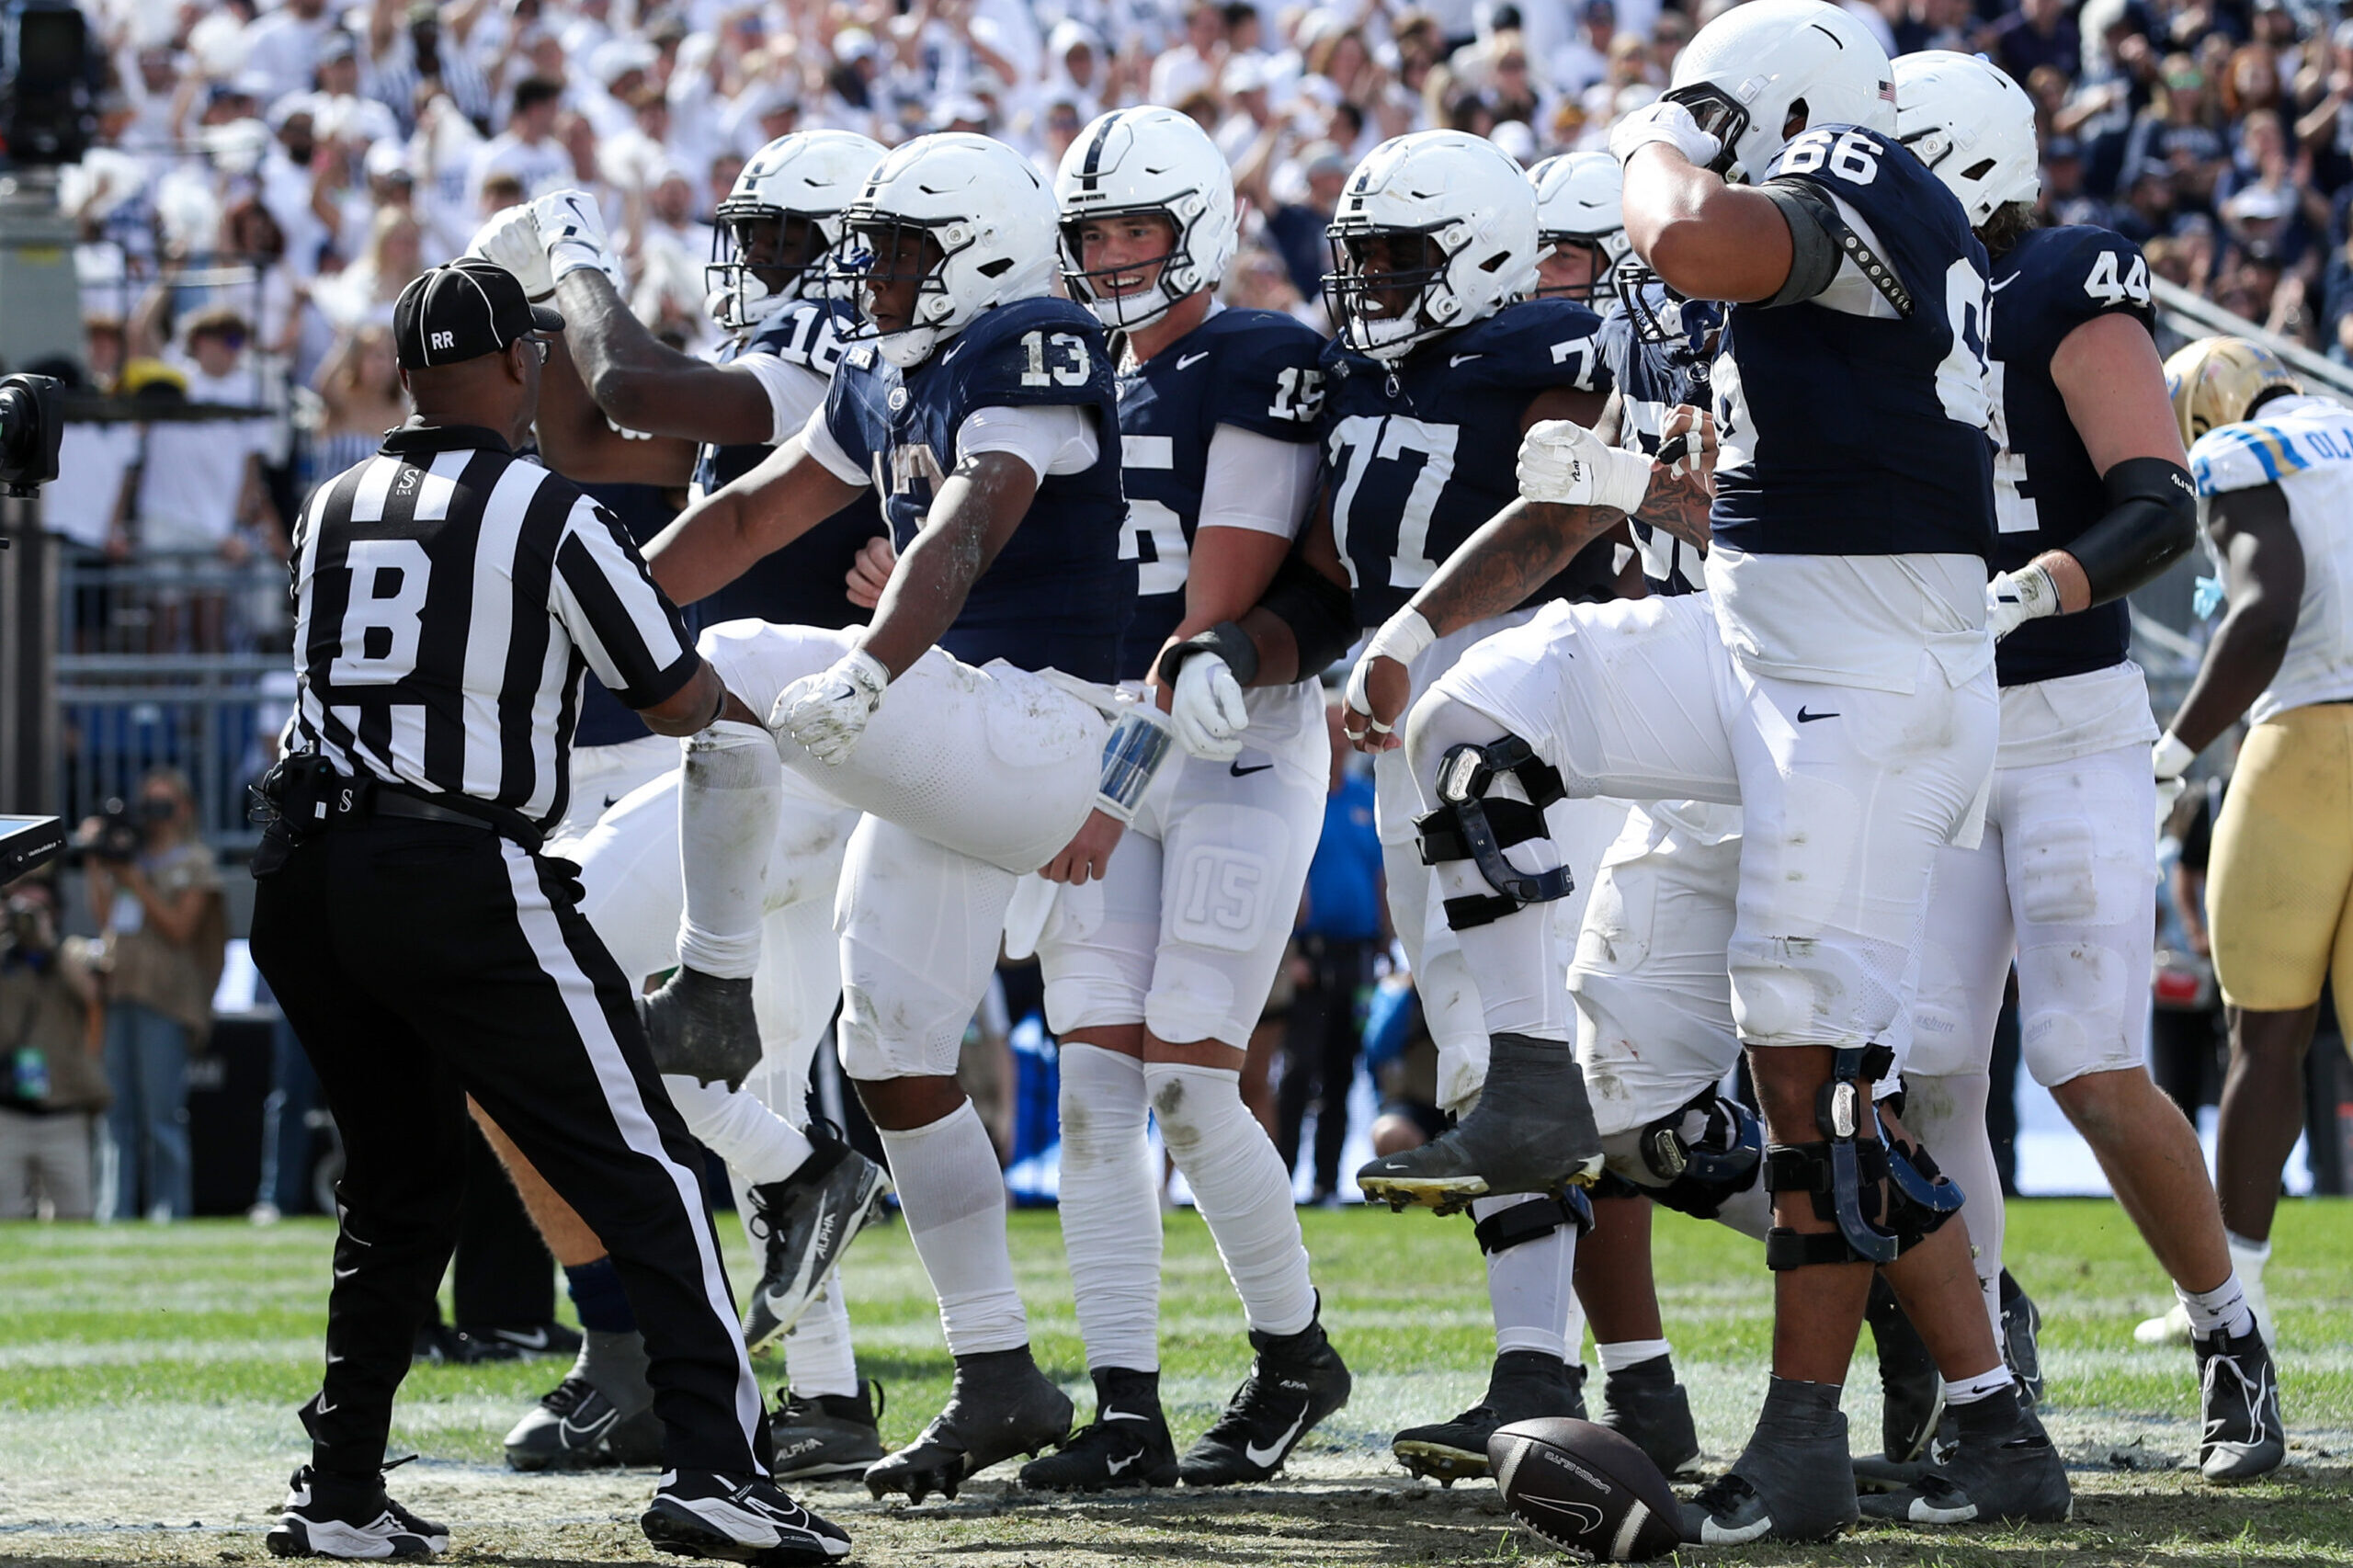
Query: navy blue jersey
1416	461
1653	378
1845	433
1253	369
1059	594
643	510
2045	490
801	585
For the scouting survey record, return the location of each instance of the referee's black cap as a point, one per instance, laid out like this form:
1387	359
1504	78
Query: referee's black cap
463	311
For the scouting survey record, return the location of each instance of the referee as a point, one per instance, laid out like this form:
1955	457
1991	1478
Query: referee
448	599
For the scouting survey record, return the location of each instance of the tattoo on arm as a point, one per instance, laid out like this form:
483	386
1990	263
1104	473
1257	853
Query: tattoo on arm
1679	505
1518	552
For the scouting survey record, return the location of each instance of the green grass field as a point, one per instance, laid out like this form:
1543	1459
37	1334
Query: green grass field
148	1379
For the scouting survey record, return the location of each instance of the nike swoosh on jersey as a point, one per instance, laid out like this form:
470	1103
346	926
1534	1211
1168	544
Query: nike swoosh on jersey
1184	360
1270	1455
1462	360
1238	771
1806	718
1997	288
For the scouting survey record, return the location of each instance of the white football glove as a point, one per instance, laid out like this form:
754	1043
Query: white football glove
2171	757
1404	637
511	239
1564	462
573	229
827	712
1663	120
2013	599
1207	711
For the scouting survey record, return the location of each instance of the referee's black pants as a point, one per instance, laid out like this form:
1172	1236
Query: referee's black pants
420	962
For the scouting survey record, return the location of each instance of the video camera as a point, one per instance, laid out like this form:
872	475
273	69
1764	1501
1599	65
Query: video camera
48	83
120	833
31	423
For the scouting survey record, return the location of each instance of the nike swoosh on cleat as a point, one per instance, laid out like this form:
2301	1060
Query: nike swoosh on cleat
1124	1415
1462	360
578	1436
1273	1455
1714	1534
1119	1465
1184	360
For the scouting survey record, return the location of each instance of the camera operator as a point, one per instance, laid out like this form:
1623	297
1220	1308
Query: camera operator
156	893
51	1084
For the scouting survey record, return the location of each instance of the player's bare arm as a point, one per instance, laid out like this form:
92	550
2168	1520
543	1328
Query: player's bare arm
578	439
643	383
1707	239
2262	573
715	540
977	510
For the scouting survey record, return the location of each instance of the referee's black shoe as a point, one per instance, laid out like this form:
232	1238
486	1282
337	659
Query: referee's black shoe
351	1518
804	1223
702	1027
700	1513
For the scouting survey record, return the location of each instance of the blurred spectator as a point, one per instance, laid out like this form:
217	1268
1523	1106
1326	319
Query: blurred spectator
1339	935
526	148
166	932
360	386
2040	32
54	1084
199	484
1296	228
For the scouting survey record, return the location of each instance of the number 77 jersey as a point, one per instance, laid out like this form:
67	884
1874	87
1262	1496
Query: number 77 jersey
1858	421
1417	460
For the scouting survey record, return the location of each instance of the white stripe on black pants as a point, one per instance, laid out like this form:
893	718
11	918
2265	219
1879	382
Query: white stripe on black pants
420	962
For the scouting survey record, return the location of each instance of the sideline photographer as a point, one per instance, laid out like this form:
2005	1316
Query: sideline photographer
52	1083
155	892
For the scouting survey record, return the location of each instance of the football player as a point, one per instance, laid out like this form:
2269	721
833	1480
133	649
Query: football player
2093	499
973	723
802	1194
1440	364
2272	466
1156	972
1835	682
1580	229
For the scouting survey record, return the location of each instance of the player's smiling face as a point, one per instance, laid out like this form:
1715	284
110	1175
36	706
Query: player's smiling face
1123	256
1395	267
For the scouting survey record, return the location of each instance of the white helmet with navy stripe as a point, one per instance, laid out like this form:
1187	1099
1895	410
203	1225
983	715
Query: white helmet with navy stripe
1578	202
779	234
1745	74
1136	162
989	223
1973	127
1435	231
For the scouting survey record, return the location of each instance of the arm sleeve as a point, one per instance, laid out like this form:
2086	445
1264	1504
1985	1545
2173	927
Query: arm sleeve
794	392
625	627
1051	437
817	440
1814	253
1257	482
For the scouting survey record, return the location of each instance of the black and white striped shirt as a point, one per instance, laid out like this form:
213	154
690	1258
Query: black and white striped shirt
449	599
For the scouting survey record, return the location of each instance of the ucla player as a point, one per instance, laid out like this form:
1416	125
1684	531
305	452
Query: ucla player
2272	466
1436	372
1835	682
803	1195
1156	972
975	722
2092	500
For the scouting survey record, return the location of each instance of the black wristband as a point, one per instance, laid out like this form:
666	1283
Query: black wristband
2152	521
1226	640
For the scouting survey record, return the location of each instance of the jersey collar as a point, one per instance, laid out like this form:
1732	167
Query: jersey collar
408	439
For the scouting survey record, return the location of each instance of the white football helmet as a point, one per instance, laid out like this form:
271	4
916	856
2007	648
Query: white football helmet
1135	161
1470	216
1743	73
987	214
1578	203
1970	123
783	220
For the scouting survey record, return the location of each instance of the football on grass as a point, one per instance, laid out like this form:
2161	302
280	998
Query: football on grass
1586	1490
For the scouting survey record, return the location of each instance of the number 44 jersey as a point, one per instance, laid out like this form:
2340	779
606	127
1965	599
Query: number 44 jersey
2045	489
1059	595
1417	459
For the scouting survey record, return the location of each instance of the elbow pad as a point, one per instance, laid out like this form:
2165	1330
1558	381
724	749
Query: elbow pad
2152	521
1321	614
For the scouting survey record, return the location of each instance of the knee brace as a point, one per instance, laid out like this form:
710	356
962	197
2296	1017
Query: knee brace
1700	1168
1533	1221
1467	825
1884	1198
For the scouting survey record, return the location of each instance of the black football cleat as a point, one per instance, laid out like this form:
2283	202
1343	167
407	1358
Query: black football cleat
1523	1385
2022	1337
1645	1405
350	1517
2238	1400
1126	1445
821	1436
803	1224
1912	1391
1532	1131
999	1405
1794	1481
1295	1381
700	1513
602	1414
2003	1470
701	1026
